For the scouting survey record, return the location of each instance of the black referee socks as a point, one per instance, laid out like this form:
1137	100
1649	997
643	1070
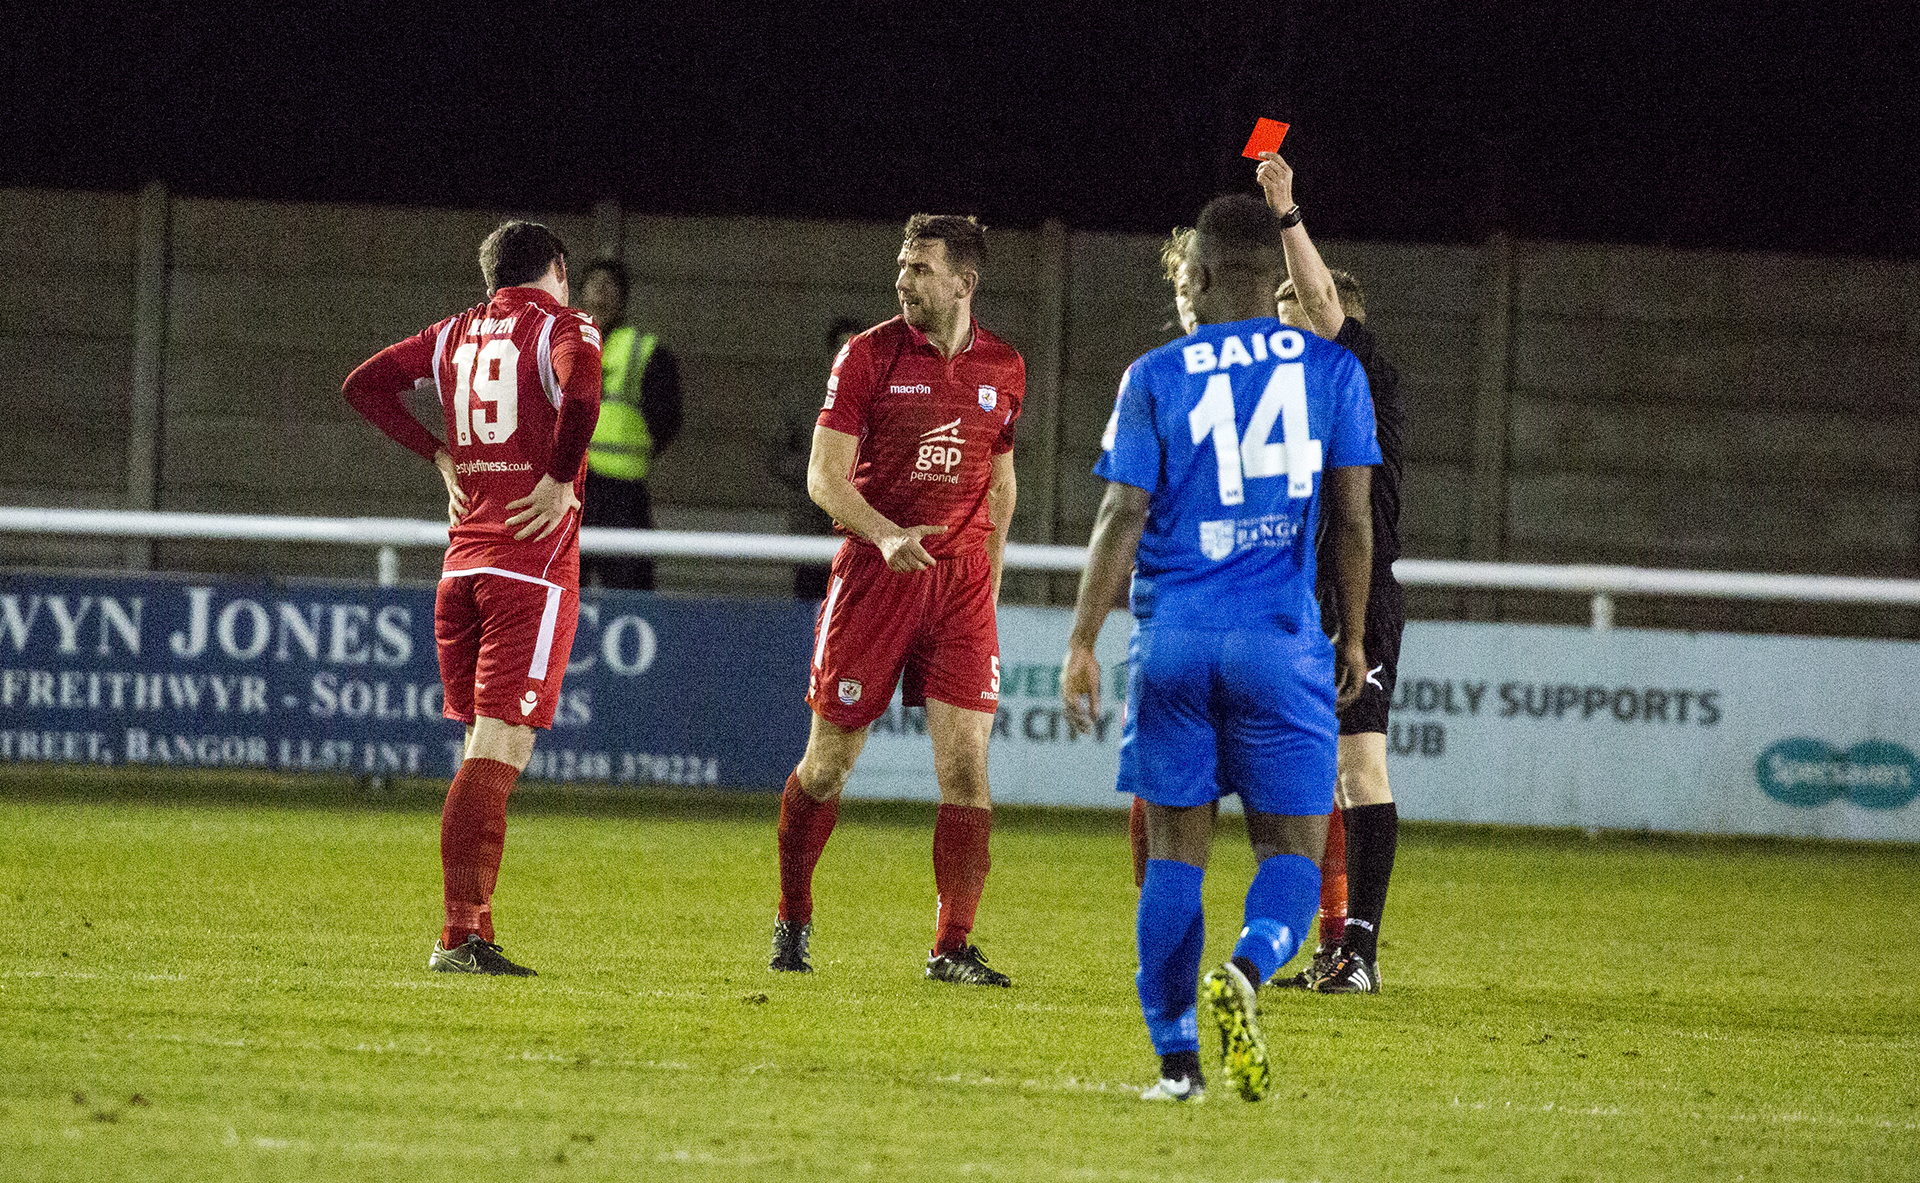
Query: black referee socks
1373	832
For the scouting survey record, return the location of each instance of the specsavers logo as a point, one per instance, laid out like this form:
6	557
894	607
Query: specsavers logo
1808	773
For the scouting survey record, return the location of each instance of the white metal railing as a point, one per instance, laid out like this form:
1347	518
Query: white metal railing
1602	584
387	535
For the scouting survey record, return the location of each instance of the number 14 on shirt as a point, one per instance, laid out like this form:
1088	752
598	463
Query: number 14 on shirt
1297	456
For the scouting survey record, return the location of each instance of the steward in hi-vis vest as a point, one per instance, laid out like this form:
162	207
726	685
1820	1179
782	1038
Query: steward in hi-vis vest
639	418
622	447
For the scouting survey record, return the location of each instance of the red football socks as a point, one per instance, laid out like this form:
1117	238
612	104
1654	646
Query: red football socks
1333	882
960	864
473	833
805	825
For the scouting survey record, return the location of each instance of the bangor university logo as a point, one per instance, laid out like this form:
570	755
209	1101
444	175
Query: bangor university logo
1216	538
1808	773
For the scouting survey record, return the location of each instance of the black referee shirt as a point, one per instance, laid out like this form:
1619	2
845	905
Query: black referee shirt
1390	426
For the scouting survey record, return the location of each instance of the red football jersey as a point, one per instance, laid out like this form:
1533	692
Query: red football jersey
504	370
929	427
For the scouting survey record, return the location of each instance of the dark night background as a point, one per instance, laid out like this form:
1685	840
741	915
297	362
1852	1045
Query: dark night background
1690	125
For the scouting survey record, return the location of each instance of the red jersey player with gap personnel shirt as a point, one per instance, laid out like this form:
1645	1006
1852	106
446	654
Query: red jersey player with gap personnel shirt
519	384
913	457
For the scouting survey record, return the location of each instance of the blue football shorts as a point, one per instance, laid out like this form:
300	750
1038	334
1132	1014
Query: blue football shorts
1247	711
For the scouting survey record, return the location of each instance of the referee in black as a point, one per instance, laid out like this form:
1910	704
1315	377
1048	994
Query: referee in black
1331	304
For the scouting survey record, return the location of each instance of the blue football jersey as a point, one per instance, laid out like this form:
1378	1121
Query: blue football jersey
1231	429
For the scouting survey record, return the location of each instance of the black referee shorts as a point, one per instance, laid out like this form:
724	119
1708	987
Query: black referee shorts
1386	619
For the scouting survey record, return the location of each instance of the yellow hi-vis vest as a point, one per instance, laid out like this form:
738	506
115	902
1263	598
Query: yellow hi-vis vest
622	447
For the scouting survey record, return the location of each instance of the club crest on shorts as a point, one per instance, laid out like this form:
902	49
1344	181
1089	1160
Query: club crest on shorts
989	398
528	701
849	691
1216	538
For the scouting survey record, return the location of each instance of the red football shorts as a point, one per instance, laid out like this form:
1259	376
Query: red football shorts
504	641
935	626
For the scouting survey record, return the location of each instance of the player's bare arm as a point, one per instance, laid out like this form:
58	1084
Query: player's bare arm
1110	554
456	496
1002	490
1312	281
1350	504
544	510
830	484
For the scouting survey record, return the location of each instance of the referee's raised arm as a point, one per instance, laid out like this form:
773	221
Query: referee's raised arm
1312	281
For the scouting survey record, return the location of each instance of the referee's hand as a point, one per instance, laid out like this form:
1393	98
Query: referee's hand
1276	181
903	551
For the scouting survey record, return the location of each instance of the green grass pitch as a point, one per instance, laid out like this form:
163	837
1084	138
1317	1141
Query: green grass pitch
217	980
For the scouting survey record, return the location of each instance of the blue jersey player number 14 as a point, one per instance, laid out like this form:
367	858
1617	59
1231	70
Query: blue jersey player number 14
1230	431
1284	400
1219	450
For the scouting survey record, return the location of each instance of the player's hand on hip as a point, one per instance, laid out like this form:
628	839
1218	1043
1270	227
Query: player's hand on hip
450	476
903	551
1276	180
1350	674
1080	689
542	511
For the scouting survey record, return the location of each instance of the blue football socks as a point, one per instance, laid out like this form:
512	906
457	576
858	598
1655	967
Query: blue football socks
1172	936
1281	904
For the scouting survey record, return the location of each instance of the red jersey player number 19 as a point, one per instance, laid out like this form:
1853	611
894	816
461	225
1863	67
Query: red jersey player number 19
519	384
504	371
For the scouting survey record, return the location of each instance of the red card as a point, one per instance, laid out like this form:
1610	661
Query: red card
1266	137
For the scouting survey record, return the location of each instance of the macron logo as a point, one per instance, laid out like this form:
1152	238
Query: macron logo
911	388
